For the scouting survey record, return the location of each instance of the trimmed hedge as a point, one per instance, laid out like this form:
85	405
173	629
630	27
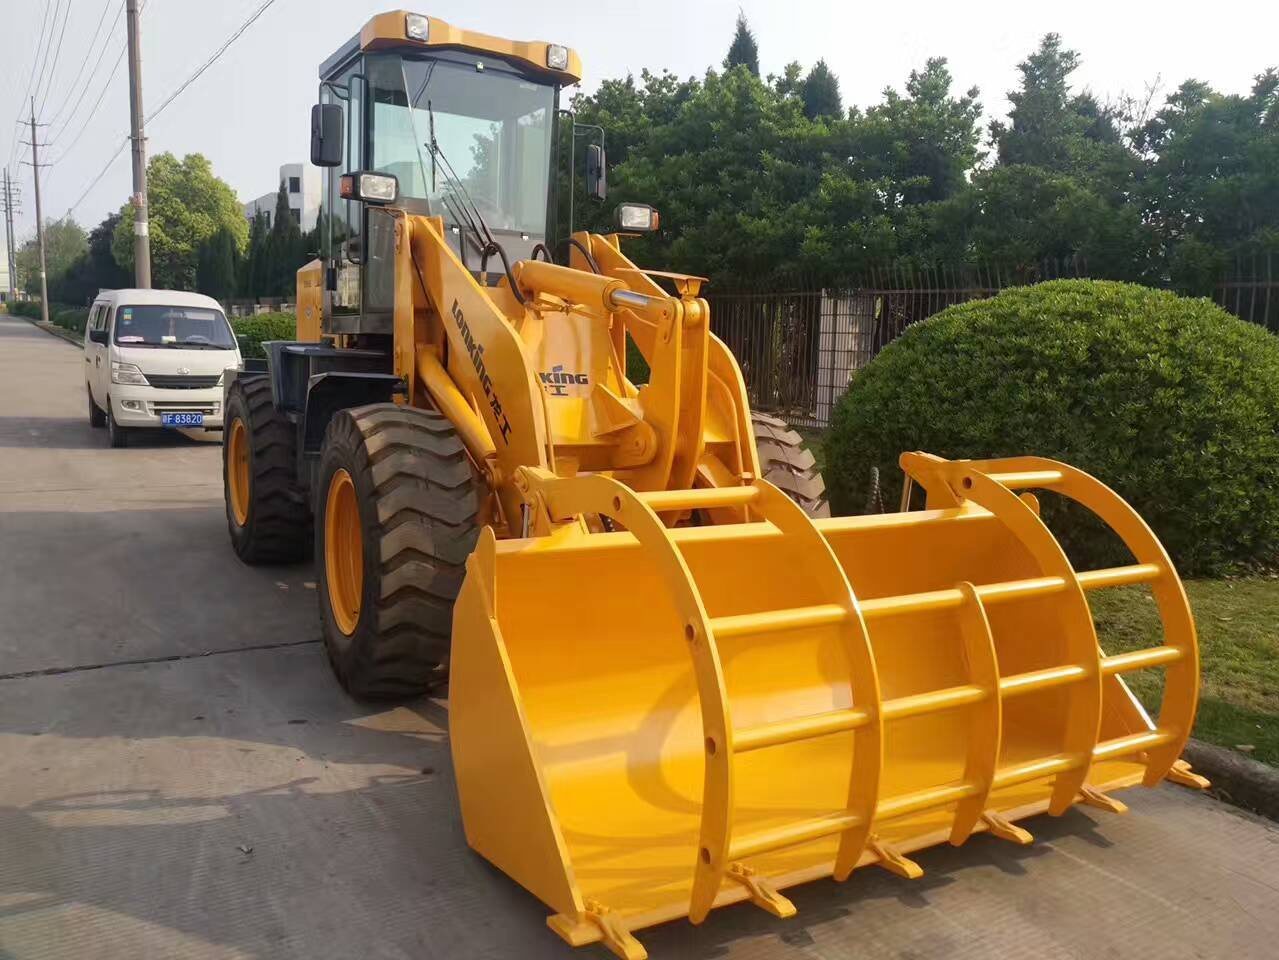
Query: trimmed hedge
1172	402
67	317
74	319
253	331
25	308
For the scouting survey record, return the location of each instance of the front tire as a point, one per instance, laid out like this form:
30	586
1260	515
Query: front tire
788	464
117	435
396	518
266	511
96	417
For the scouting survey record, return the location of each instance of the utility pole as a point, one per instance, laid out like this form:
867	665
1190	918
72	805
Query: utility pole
35	170
10	208
141	228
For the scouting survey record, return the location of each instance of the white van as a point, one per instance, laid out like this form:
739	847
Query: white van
155	358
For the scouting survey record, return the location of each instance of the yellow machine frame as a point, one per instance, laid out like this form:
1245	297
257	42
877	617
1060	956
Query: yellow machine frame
671	690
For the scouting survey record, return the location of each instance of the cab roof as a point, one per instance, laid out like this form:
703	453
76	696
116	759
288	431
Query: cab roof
166	298
389	30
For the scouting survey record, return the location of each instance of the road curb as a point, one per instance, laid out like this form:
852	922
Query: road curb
55	330
1236	779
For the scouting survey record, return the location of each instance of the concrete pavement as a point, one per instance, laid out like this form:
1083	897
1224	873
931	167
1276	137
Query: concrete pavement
232	802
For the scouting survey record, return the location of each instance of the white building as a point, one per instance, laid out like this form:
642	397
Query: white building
302	182
4	269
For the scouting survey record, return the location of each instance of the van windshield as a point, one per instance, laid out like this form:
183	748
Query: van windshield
190	328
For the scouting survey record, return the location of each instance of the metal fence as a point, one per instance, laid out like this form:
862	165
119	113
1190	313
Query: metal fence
1250	290
799	348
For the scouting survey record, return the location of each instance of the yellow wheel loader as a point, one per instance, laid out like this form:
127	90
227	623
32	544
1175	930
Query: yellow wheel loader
671	686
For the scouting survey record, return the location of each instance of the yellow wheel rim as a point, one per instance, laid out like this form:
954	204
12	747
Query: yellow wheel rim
343	551
237	471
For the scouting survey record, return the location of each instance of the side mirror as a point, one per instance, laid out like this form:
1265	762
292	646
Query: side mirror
98	336
326	135
596	172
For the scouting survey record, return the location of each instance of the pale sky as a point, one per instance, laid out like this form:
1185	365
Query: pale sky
249	112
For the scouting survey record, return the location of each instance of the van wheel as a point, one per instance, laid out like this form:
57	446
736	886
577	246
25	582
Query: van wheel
117	435
266	511
395	519
96	417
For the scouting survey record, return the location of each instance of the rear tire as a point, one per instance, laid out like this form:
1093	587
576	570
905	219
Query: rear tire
387	615
266	511
117	435
96	417
788	464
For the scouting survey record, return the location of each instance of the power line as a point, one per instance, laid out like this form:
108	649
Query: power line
101	93
93	110
39	43
48	48
84	62
96	180
208	63
31	79
169	99
57	54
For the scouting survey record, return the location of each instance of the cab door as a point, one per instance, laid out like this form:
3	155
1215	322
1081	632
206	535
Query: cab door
91	354
100	371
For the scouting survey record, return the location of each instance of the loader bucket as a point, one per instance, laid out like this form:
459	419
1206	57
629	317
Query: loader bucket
652	722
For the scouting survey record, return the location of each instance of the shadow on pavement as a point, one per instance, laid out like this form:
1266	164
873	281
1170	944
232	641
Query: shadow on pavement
74	433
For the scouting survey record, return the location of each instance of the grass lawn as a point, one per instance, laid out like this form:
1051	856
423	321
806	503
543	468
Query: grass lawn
1238	623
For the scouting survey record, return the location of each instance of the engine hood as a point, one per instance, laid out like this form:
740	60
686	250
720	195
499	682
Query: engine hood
170	361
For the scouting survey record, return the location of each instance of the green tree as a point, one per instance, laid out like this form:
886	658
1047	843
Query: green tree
64	242
257	266
1020	215
1051	128
743	51
1211	190
215	269
927	139
820	93
750	188
286	247
187	204
91	271
1042	128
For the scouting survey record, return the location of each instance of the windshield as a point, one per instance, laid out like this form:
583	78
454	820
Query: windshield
191	328
492	127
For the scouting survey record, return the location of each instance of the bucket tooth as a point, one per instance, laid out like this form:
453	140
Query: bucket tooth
894	861
1182	774
762	893
1004	829
598	924
1093	797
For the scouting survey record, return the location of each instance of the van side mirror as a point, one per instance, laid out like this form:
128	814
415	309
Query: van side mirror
596	172
98	336
326	135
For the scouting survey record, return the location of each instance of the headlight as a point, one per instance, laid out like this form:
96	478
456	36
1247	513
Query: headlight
369	187
127	373
557	57
636	217
221	377
417	27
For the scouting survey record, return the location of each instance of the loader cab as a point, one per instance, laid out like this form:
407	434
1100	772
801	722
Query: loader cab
465	123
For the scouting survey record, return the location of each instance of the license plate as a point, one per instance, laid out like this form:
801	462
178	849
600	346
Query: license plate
182	419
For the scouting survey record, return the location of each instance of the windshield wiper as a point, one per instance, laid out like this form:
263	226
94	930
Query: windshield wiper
434	145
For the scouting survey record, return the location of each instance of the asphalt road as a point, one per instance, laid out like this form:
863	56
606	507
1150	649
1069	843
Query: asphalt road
181	777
